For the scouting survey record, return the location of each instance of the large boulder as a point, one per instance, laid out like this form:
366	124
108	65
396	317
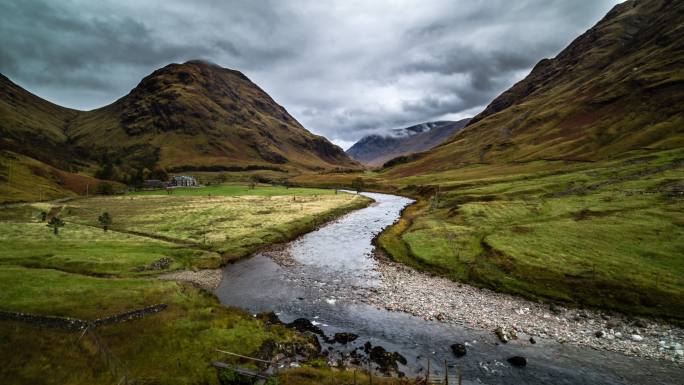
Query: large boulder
459	350
386	361
304	325
344	338
518	361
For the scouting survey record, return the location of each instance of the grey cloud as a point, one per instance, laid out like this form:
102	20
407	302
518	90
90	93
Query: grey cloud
344	69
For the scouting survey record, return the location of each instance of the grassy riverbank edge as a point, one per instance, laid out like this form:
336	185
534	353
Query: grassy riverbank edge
463	221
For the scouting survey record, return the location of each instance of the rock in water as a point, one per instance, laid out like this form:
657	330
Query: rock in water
269	318
304	325
518	361
532	340
500	333
344	338
600	334
386	360
459	350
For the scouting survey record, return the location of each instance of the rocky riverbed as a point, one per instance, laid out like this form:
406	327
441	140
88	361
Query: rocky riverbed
401	288
404	289
332	278
207	279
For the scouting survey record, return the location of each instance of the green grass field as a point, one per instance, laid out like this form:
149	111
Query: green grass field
220	219
607	234
87	273
239	190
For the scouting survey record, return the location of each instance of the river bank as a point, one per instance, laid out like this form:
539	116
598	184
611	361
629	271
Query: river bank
332	278
434	298
403	289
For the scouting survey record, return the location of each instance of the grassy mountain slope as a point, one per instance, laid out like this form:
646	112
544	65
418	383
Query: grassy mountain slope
198	115
375	150
195	117
36	160
26	118
617	87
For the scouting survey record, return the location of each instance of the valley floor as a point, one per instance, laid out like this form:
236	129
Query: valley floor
87	273
605	235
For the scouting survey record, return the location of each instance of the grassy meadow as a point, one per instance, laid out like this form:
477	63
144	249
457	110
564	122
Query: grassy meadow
606	234
87	273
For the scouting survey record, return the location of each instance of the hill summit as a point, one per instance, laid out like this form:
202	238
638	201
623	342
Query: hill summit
200	115
195	116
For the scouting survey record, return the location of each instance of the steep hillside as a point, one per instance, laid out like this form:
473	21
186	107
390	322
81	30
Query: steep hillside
199	116
195	116
374	150
36	160
33	126
617	87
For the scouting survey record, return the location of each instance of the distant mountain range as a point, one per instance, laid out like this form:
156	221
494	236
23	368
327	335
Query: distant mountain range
375	150
618	87
194	116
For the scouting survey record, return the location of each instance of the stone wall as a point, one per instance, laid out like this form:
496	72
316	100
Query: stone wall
67	323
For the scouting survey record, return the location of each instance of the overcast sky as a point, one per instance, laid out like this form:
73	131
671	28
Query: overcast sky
344	68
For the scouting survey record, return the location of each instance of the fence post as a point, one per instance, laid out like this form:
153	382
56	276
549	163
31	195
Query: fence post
460	374
354	369
427	378
446	373
370	373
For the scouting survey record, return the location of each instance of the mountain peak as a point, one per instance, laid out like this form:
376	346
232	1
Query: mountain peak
202	62
376	149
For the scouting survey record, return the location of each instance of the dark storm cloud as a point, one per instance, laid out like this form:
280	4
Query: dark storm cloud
344	68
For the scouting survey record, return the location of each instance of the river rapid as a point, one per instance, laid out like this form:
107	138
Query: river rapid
326	276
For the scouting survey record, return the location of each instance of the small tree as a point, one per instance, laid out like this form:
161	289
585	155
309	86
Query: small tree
55	223
105	220
252	183
358	184
43	216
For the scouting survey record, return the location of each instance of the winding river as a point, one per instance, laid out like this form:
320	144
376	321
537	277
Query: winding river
332	269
